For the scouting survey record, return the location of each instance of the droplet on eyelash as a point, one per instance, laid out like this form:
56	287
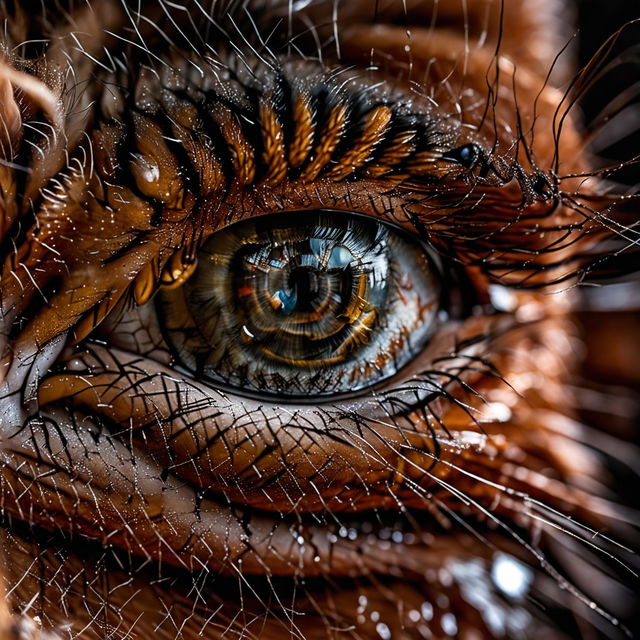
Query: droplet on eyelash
414	615
502	298
496	412
177	271
467	155
148	172
427	611
449	624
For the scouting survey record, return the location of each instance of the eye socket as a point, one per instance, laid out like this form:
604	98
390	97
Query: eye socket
303	303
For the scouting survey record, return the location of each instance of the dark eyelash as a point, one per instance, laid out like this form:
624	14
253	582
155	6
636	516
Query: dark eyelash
472	233
476	224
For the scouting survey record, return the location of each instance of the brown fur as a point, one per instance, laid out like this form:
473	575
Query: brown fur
142	503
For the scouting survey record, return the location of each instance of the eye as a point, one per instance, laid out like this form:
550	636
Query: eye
304	302
284	318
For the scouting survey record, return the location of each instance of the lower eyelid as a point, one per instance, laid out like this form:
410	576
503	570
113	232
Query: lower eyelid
198	431
214	439
280	458
170	522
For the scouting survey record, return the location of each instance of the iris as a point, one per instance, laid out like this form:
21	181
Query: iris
303	302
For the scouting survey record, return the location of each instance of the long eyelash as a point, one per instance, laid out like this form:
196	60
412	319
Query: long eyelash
496	233
131	391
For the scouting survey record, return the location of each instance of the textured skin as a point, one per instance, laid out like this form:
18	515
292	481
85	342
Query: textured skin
139	501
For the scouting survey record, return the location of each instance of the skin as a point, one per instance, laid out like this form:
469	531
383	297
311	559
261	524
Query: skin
142	501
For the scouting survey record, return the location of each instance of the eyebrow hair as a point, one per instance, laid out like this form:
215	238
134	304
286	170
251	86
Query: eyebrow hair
162	147
489	211
286	128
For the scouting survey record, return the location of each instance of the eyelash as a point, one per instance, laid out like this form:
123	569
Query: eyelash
411	203
470	232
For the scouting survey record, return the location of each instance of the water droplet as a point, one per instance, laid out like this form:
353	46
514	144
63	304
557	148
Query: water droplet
427	611
414	615
449	624
510	576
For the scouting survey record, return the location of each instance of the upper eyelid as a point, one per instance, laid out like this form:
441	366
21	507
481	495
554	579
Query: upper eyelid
291	131
193	143
120	214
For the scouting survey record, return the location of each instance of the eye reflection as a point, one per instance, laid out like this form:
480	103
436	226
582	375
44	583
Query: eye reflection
304	302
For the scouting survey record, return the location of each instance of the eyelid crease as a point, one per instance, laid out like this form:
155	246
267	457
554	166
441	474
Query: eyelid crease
474	215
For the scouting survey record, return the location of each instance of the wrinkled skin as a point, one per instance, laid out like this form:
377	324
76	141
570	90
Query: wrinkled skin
140	501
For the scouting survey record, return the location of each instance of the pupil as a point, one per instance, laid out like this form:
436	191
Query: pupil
305	287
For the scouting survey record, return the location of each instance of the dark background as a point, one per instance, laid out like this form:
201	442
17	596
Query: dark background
610	322
614	354
597	20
